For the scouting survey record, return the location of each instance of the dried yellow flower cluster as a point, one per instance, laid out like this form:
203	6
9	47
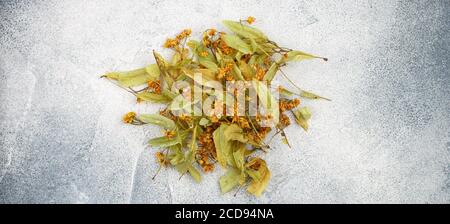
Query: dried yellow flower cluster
172	43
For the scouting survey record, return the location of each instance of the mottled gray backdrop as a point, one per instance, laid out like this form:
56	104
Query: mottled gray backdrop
385	137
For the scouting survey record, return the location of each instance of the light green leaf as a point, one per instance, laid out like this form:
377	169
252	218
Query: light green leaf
284	138
267	48
270	74
194	173
300	56
204	122
219	55
244	30
267	100
305	112
254	174
235	133
302	116
153	97
163	142
160	61
193	45
176	58
303	93
132	78
208	64
177	156
254	45
193	146
261	58
284	92
237	73
253	60
153	72
237	43
169	94
223	146
159	120
182	167
229	180
238	56
312	96
239	158
207	76
260	175
247	70
111	75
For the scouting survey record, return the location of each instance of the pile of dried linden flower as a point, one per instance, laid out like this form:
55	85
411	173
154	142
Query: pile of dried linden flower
193	141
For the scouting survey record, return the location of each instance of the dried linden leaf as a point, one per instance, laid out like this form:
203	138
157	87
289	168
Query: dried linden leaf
244	30
269	102
235	133
237	73
300	56
237	43
302	116
177	156
153	72
312	96
247	70
160	61
153	97
163	142
159	120
270	74
223	146
284	92
239	158
132	78
257	187
230	180
303	93
208	64
194	173
204	122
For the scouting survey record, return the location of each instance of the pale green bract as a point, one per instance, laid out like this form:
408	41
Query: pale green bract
312	96
270	74
300	56
302	116
223	145
163	142
135	77
229	180
244	30
269	102
237	43
159	120
153	97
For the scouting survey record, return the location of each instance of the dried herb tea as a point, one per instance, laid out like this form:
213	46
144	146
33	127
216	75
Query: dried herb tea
218	103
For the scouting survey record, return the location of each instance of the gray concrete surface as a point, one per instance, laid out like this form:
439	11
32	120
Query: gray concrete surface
384	138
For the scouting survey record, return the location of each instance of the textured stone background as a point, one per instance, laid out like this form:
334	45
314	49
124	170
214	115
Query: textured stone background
384	138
